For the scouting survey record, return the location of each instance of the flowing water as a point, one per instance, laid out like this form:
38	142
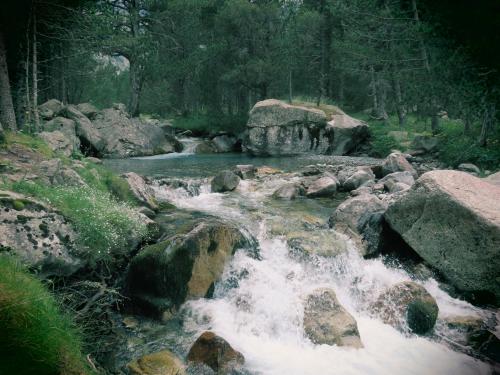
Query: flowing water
258	304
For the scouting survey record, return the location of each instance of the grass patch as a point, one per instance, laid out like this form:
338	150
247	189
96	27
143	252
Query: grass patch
28	141
36	338
202	124
104	225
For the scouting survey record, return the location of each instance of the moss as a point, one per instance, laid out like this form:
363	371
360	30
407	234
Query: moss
421	316
29	142
18	205
37	338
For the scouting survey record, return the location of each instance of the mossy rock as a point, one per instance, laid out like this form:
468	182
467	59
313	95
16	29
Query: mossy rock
18	205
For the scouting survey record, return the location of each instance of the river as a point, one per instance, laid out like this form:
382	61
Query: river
258	305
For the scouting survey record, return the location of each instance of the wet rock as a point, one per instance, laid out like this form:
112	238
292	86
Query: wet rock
322	242
160	363
469	168
265	171
326	321
36	234
224	143
143	192
224	181
54	172
466	323
205	147
288	192
245	171
396	162
361	219
323	187
88	110
216	353
276	128
358	179
493	179
452	220
185	266
485	342
408	304
50	109
58	142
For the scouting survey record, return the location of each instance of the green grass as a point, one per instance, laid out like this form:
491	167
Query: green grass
35	337
28	141
104	224
202	124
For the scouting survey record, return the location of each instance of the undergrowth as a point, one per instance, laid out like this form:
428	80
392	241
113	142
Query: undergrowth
35	336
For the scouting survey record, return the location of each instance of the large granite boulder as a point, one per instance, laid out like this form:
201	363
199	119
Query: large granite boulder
224	143
50	109
124	136
361	219
493	179
359	178
88	110
93	142
407	305
452	220
65	126
326	321
143	192
346	134
277	128
325	186
396	162
183	267
288	191
39	236
58	142
215	352
159	363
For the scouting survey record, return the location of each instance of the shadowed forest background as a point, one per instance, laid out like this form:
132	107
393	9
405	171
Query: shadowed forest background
409	65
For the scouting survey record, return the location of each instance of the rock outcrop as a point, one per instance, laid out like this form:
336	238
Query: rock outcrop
452	220
143	192
326	321
39	236
346	134
182	267
408	305
216	353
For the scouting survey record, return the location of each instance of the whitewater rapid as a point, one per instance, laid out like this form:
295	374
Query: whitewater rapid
258	305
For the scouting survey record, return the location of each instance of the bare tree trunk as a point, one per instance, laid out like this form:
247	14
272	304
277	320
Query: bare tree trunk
34	75
27	82
290	93
488	118
373	87
400	108
7	114
341	93
467	123
135	88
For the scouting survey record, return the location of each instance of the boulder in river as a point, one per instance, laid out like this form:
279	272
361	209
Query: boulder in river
326	321
143	192
159	363
408	304
277	128
325	186
346	134
288	191
224	143
216	353
205	147
393	180
361	218
452	220
40	237
358	179
185	266
245	171
396	162
224	181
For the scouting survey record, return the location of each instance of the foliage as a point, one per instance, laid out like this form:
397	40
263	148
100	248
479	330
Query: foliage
104	225
207	124
36	337
28	142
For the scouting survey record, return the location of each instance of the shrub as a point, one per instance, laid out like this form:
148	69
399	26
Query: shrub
104	225
36	338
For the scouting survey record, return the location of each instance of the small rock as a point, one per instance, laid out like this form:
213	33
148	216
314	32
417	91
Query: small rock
322	187
160	363
265	170
358	179
391	180
216	353
326	321
224	181
245	171
469	168
408	303
93	160
396	162
288	192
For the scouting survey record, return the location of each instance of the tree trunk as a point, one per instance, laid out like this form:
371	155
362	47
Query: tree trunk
400	108
373	87
467	123
34	75
290	93
7	114
435	123
488	118
135	88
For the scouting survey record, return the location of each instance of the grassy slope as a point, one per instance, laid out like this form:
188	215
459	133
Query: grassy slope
36	338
